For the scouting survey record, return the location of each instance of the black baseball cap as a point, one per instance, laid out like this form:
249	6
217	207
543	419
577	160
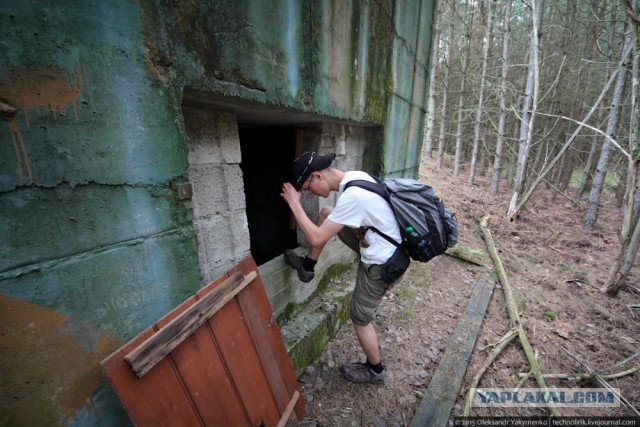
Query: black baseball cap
307	163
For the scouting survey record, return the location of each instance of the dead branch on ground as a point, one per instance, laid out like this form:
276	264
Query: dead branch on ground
587	375
514	317
602	381
504	341
453	253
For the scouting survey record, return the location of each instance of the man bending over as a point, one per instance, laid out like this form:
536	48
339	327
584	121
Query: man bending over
356	209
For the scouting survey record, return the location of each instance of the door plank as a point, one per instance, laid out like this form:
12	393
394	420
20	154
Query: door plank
159	399
156	347
198	363
266	336
276	342
244	366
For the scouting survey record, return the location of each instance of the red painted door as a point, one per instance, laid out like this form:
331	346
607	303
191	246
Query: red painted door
233	370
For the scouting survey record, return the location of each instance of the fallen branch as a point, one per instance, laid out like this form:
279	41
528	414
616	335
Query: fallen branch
602	381
514	317
621	363
504	341
525	377
459	255
513	311
586	375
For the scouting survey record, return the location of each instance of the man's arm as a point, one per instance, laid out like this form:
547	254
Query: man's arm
317	236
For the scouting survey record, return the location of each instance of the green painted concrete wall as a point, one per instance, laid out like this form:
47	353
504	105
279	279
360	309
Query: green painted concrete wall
96	232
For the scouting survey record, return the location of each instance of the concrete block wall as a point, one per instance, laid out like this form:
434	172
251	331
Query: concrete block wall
218	201
219	214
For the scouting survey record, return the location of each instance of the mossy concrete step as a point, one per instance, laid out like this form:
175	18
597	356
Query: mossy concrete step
306	334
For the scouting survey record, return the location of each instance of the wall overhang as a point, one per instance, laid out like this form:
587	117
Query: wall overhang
249	112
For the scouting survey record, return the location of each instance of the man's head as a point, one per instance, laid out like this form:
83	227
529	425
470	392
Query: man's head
308	163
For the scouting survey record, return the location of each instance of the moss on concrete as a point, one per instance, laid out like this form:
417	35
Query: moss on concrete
306	335
292	309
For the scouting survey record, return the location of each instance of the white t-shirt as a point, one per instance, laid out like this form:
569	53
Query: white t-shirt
357	207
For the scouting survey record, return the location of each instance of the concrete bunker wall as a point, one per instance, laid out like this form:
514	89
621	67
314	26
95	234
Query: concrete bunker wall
116	204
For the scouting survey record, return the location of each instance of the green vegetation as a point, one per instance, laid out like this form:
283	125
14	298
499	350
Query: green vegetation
521	302
291	309
469	251
565	268
406	315
404	294
611	180
550	315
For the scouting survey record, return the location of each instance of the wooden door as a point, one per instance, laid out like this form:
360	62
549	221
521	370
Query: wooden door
227	368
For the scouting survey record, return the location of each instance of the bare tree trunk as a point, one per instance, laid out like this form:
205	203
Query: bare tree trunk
497	162
528	109
628	248
569	141
428	133
485	59
564	175
557	102
591	211
628	261
588	169
632	11
581	93
621	188
622	266
636	201
445	91
463	82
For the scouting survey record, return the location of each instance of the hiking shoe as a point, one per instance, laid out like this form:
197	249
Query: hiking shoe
362	373
293	260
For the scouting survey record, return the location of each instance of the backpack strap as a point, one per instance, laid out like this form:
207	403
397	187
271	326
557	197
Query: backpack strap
385	236
375	187
381	190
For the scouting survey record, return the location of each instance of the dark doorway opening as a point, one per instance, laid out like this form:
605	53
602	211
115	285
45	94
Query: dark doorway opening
267	159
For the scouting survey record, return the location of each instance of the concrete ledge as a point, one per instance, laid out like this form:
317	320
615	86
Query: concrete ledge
306	334
287	293
311	314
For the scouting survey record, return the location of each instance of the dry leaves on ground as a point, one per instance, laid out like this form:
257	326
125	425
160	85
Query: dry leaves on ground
556	272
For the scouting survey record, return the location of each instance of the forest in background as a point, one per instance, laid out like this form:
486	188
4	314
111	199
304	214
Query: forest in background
539	92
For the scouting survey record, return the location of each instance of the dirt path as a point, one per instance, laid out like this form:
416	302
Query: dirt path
555	271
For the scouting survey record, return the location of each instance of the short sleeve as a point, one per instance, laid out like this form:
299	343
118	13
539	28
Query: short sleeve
348	211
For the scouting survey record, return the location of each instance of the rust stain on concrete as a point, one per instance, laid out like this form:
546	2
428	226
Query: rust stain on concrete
48	370
45	90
